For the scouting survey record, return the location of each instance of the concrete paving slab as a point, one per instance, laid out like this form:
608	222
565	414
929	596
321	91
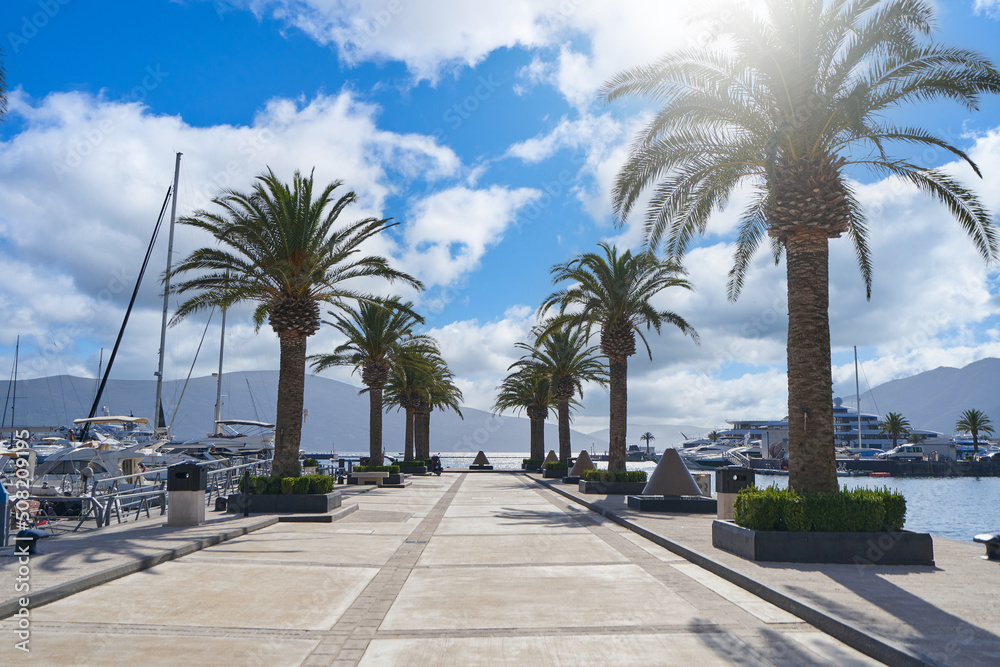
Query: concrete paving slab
185	593
71	647
516	550
746	601
521	597
301	547
521	524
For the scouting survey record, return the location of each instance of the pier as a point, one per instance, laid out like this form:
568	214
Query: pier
477	569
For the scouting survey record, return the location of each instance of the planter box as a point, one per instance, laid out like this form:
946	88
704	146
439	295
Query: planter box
554	474
318	503
680	504
571	480
533	467
413	470
481	466
902	548
612	488
367	478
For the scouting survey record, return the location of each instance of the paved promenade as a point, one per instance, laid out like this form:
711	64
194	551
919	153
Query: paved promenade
462	569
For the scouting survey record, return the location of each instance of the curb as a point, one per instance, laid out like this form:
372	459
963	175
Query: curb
58	592
874	647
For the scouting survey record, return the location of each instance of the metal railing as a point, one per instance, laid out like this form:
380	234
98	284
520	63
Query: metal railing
225	481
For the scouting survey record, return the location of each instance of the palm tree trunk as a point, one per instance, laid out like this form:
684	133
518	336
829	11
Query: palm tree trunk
812	465
618	419
537	438
421	430
565	446
375	425
288	413
408	436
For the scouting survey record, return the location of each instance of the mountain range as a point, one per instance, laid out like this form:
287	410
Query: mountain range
337	415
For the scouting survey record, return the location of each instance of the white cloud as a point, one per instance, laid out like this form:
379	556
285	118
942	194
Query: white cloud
990	8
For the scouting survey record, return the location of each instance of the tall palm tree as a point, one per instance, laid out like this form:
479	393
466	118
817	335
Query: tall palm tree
410	373
614	292
713	436
278	247
529	388
895	425
798	97
974	422
376	334
439	392
647	436
565	356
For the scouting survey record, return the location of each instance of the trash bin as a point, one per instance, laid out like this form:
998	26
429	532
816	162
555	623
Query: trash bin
186	485
728	482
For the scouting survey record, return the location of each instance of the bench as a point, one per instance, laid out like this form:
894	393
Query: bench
992	542
369	477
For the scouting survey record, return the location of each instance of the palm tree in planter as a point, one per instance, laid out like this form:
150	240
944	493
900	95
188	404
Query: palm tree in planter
565	356
377	333
974	422
895	426
409	374
647	436
798	97
613	291
438	392
280	247
529	388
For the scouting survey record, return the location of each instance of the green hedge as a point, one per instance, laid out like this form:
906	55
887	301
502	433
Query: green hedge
605	476
310	463
263	485
532	462
854	511
556	465
392	470
416	463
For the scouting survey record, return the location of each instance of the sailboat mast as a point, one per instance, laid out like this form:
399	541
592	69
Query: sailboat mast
857	390
158	411
13	400
218	388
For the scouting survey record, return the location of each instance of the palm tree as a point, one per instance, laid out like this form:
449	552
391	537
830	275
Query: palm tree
376	333
529	388
439	392
798	96
404	388
278	247
647	436
974	422
713	436
895	425
613	292
564	355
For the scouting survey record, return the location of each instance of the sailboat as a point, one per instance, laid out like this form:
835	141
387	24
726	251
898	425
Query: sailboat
231	436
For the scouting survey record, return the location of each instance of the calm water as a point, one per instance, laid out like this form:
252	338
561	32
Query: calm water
953	507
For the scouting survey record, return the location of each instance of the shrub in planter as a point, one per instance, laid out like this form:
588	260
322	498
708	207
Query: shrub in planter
310	463
531	464
301	485
605	476
320	484
392	470
556	465
854	511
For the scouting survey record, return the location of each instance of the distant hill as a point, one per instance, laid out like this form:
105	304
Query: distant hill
934	399
337	416
665	435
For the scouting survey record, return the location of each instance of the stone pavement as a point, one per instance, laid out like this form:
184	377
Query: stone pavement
453	570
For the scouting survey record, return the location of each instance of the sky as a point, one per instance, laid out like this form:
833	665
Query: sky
477	127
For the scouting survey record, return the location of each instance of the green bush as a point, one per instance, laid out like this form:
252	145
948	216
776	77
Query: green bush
532	462
319	483
301	485
392	470
556	465
288	485
605	476
416	463
854	511
310	463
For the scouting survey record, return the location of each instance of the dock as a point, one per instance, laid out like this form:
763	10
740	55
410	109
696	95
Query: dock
484	569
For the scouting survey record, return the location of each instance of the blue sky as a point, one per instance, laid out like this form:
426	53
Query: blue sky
476	127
